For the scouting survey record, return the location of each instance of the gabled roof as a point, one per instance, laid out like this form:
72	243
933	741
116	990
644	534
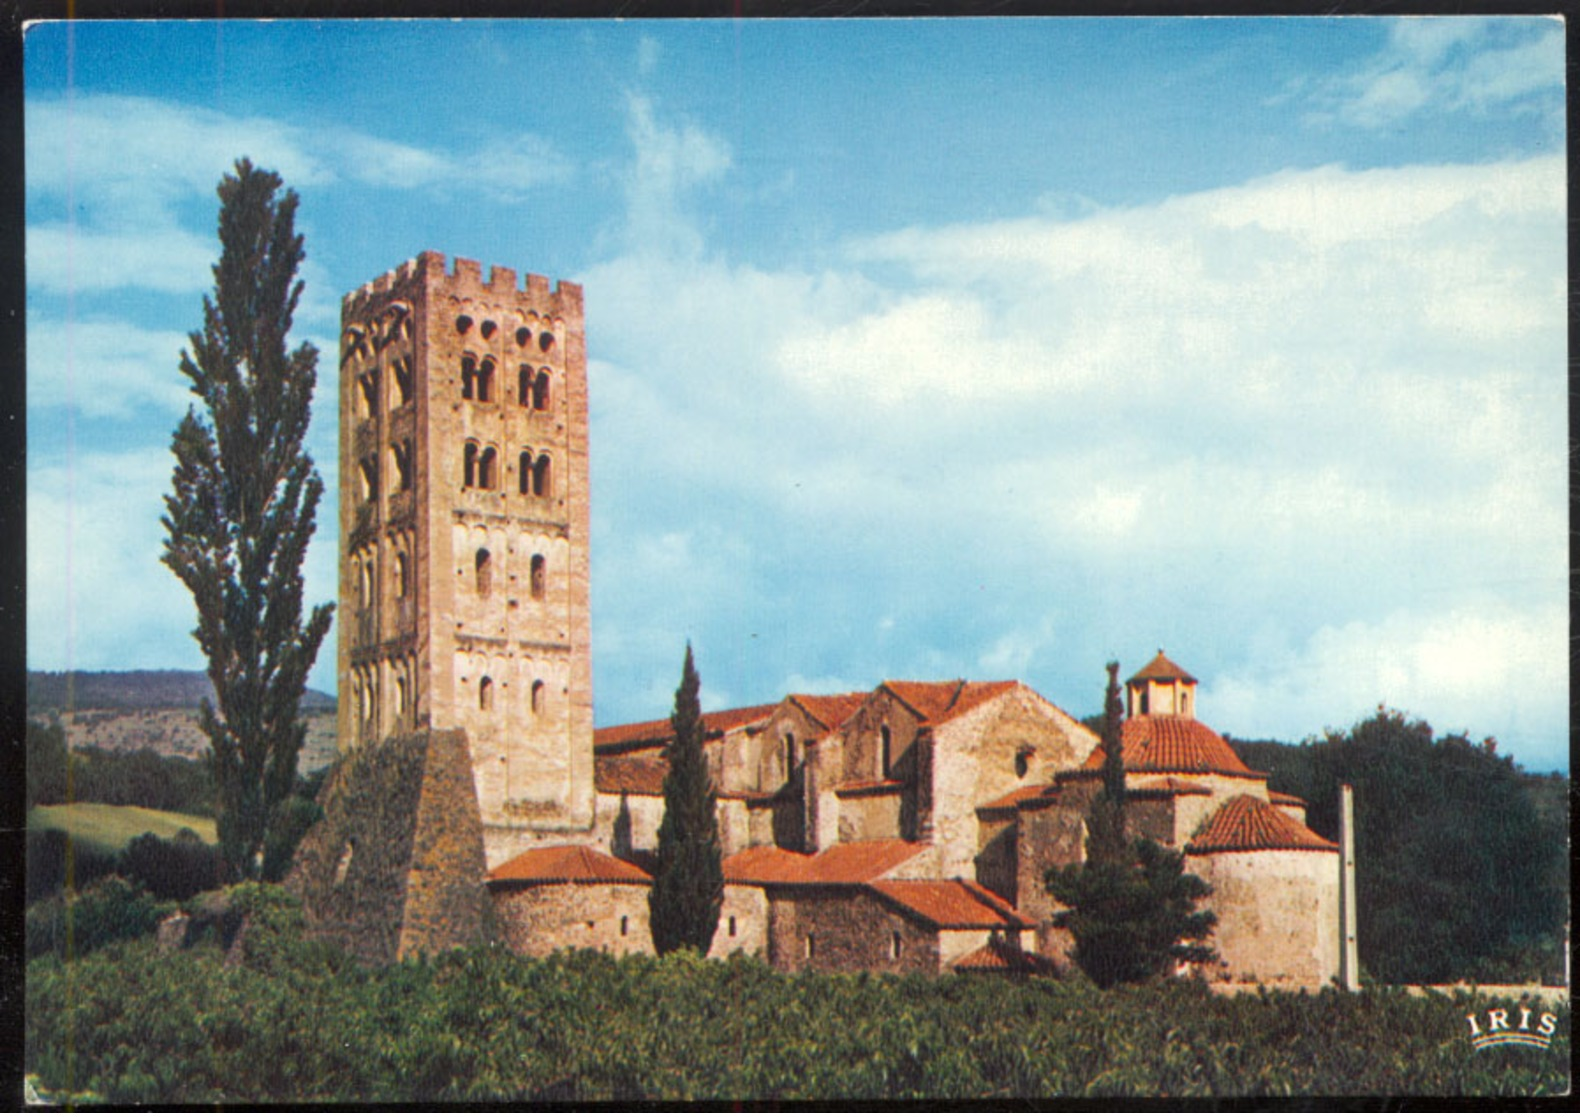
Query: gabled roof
1002	956
1162	669
845	863
1246	824
829	710
1172	743
567	865
660	731
951	905
936	703
767	865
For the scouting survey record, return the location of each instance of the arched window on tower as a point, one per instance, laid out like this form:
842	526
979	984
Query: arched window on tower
485	694
368	387
468	376
541	476
886	756
400	455
483	566
790	756
486	465
539	577
537	696
469	466
402	370
370	477
540	391
402	575
524	473
524	386
485	380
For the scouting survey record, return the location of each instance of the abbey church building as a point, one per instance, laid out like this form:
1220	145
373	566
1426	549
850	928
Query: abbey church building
905	828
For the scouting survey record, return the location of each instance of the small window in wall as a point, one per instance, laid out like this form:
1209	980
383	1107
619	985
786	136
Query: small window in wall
400	696
468	376
368	384
732	926
400	454
1145	703
545	341
402	575
524	473
886	745
540	391
485	380
483	565
524	385
487	464
1185	703
1023	757
370	478
790	755
343	869
537	696
463	323
625	921
523	335
469	466
894	945
539	577
489	329
811	946
540	476
485	694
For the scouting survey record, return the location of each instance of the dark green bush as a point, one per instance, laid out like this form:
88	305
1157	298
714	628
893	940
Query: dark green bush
172	870
51	852
72	924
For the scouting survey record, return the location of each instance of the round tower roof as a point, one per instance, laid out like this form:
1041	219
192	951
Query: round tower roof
1162	669
1171	743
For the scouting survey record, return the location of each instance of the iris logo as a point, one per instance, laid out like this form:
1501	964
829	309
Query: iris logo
1498	1032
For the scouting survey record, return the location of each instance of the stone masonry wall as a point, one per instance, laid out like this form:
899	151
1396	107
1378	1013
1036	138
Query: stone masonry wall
539	919
849	929
1278	914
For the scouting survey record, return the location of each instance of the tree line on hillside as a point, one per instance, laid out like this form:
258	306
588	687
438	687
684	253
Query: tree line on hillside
133	690
1461	871
142	778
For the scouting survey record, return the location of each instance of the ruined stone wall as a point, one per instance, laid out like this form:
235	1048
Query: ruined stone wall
849	930
396	866
538	919
1278	914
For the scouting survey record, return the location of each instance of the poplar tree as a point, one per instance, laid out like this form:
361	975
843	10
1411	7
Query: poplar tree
241	510
688	886
1106	820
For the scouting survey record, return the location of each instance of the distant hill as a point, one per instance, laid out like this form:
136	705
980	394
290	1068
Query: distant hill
133	690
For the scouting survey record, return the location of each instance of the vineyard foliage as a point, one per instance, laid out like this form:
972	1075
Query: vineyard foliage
296	1022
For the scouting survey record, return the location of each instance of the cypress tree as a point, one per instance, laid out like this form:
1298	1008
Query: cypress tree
241	510
688	887
1106	821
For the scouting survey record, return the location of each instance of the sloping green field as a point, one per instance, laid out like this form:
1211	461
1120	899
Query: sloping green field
110	828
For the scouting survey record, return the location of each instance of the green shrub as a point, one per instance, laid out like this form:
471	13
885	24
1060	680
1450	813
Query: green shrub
49	855
173	870
72	924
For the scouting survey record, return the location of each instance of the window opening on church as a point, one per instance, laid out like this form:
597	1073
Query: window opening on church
402	370
624	924
732	926
402	575
344	867
483	565
539	576
540	391
1145	704
545	341
485	694
370	478
368	382
485	380
540	476
400	696
523	335
790	755
894	945
537	696
486	462
811	946
401	453
468	376
524	473
488	329
463	323
469	466
524	385
885	759
1022	761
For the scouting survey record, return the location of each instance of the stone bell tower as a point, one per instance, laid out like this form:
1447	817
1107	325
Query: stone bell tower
464	576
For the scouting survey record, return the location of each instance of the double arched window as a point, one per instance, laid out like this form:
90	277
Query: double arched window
534	475
479	466
532	388
477	378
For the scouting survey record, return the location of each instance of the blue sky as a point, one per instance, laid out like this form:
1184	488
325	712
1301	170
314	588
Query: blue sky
918	349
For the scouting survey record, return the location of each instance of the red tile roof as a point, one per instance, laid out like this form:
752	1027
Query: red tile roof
1246	824
768	865
660	731
829	710
1020	795
1171	743
859	862
1001	956
951	905
1285	799
1163	669
868	787
567	865
936	703
630	775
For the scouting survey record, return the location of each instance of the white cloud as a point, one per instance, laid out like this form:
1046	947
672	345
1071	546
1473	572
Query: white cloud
669	162
105	368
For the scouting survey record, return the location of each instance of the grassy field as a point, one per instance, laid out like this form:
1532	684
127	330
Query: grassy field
110	828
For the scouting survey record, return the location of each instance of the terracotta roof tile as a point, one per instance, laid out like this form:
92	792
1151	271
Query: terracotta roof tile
1020	795
1171	743
630	775
830	710
1285	799
951	905
660	731
1001	956
937	703
860	862
768	865
1246	824
1163	669
567	865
